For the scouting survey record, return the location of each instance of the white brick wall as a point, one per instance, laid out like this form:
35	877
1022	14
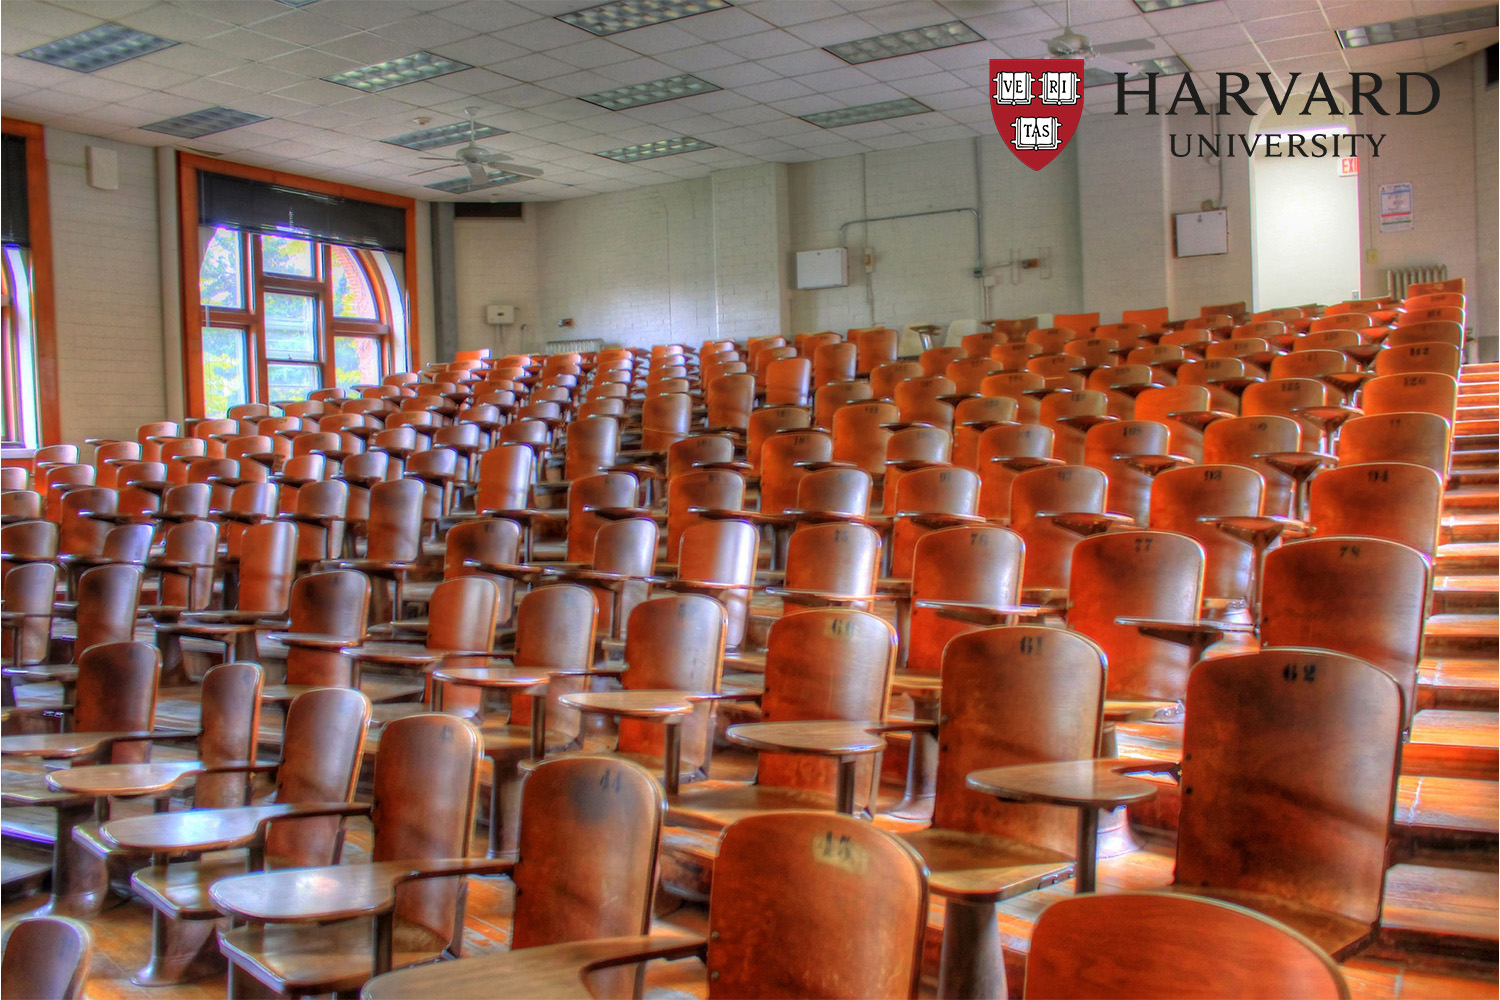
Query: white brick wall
496	265
634	268
750	241
108	290
1482	291
1122	182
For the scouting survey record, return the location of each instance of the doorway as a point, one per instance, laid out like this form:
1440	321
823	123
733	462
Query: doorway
1304	228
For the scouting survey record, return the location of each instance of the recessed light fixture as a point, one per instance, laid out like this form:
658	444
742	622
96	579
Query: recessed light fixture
904	43
443	135
651	92
205	122
624	15
1148	6
97	48
651	150
398	72
1167	65
1421	26
463	185
867	113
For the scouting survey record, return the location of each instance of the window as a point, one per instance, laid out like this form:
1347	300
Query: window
19	351
283	316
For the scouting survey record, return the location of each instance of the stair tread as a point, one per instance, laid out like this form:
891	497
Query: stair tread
1455	728
1465	804
1450	902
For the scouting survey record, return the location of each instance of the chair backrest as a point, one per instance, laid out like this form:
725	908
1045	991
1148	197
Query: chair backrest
395	531
1415	392
1179	497
1049	548
993	681
230	729
779	917
587	857
79	534
1329	823
876	347
829	397
828	664
117	692
1391	500
1283	397
941	489
967	373
592	443
858	436
715	489
782	460
980	565
1139	574
675	644
29	589
834	362
1238	440
322	746
1354	594
1172	947
837	490
885	377
419	818
266	567
1108	447
998	446
723	552
108	597
1419	356
608	489
766	422
1418	438
46	957
1444	331
334	603
917	400
1060	414
505	475
833	558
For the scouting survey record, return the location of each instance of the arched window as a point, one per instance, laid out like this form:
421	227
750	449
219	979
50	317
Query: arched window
283	316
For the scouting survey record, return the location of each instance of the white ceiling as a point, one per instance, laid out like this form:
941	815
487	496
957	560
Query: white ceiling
265	57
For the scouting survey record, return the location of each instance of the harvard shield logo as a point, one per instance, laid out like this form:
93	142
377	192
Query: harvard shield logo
1037	104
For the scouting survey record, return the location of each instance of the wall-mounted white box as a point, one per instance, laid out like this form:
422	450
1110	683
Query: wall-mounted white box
823	268
499	315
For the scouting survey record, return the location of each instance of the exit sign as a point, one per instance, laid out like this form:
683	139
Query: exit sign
1349	166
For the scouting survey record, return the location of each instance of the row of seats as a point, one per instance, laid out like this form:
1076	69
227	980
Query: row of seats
1139	516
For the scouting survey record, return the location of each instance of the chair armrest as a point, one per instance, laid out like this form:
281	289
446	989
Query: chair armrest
549	971
314	640
983	614
808	594
904	726
696	586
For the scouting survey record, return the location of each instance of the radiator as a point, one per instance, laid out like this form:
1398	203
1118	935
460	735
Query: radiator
1402	278
579	345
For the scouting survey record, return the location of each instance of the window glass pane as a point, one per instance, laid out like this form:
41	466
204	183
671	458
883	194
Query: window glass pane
352	295
292	382
291	327
221	282
224	370
356	361
280	255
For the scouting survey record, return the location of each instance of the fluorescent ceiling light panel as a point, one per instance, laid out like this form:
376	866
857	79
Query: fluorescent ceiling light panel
650	92
1147	6
1168	65
651	150
463	185
1422	26
904	43
626	15
867	113
97	48
443	135
205	122
398	72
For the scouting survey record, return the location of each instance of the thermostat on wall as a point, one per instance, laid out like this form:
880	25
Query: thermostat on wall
499	315
823	268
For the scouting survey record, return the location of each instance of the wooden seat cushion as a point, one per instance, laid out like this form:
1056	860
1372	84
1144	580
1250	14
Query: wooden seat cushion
984	867
1338	935
715	805
181	890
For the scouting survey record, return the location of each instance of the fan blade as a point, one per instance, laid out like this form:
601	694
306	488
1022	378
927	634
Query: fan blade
477	173
521	170
1109	65
493	156
429	170
1138	45
439	159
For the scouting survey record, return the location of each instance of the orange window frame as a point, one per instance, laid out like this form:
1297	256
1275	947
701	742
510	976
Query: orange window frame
43	306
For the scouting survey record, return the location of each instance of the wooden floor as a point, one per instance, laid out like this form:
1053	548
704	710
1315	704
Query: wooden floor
1441	920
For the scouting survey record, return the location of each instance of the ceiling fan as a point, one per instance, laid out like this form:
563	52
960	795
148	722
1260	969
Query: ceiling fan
477	160
1074	45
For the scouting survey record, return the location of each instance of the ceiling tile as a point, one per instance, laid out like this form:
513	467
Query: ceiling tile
421	32
592	53
543	34
484	15
303	27
765	44
176	23
742	74
536	67
309	63
789	12
481	50
700	57
799	63
246	44
144	74
1303	45
45	19
193	59
845	28
728	22
1206	40
775	90
657	38
1287	27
